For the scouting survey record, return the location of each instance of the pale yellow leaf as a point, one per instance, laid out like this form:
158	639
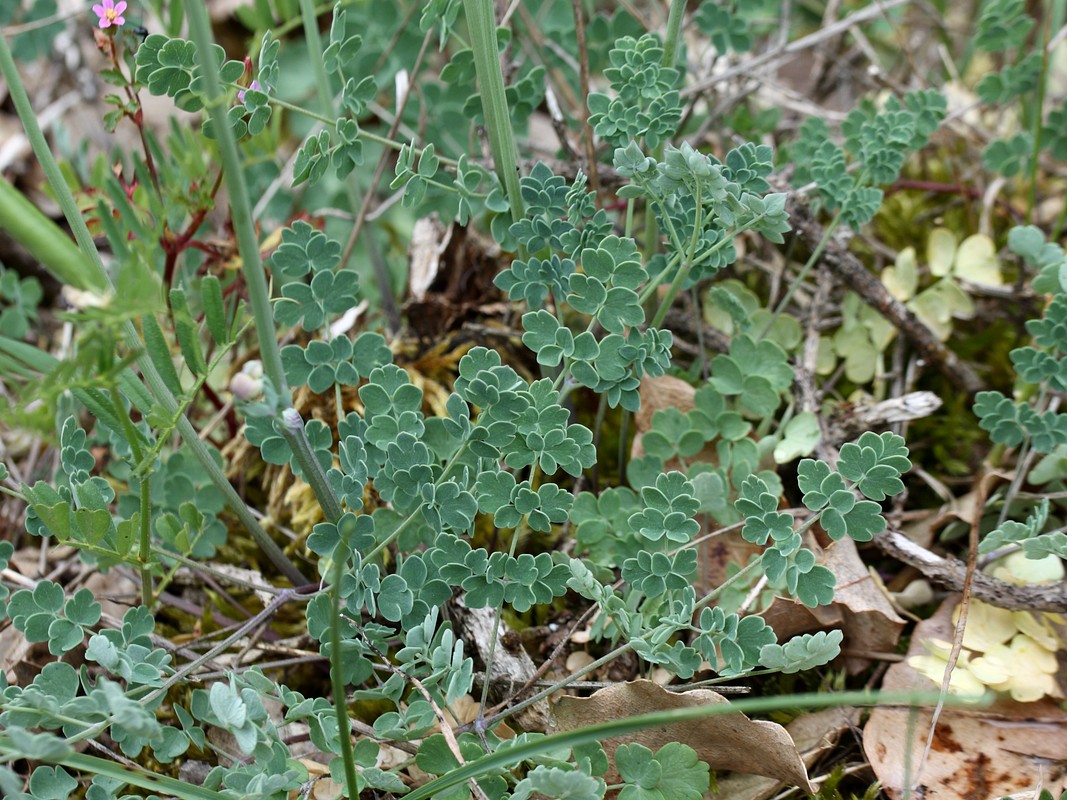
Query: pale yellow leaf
940	251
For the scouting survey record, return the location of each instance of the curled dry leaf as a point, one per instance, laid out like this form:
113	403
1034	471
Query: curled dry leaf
861	609
728	742
991	751
323	786
815	735
867	616
965	508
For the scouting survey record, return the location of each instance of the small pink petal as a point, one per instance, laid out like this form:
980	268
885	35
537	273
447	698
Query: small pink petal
120	21
109	5
119	8
105	22
100	11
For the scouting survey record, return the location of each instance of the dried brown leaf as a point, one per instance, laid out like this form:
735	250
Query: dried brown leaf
868	619
815	735
977	752
728	742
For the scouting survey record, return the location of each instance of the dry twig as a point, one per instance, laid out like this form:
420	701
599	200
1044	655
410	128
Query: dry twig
858	278
952	574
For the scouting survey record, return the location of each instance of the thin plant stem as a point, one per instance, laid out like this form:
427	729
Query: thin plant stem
683	271
318	64
583	87
577	675
516	534
513	755
674	33
598	429
240	207
252	265
825	240
369	136
146	695
337	679
414	515
145	501
1038	114
314	474
722	587
292	425
961	624
379	169
122	775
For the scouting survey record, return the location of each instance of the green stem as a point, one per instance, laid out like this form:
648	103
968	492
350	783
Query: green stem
482	26
392	537
279	103
145	538
674	33
676	284
670	56
134	776
252	264
683	272
97	276
654	283
318	63
825	240
744	572
654	198
13	493
292	424
1036	123
294	433
384	141
337	675
240	207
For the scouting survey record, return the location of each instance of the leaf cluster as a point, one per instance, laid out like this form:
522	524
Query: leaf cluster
876	142
644	105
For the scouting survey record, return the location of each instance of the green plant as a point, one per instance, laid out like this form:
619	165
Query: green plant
20	298
403	489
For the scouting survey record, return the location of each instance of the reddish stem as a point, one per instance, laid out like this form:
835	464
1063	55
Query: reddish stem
174	247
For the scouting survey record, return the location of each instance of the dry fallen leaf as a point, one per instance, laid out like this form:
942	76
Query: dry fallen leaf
962	509
322	787
868	619
659	393
815	735
977	752
728	742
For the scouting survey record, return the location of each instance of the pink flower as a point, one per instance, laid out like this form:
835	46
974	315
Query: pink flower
254	86
110	13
